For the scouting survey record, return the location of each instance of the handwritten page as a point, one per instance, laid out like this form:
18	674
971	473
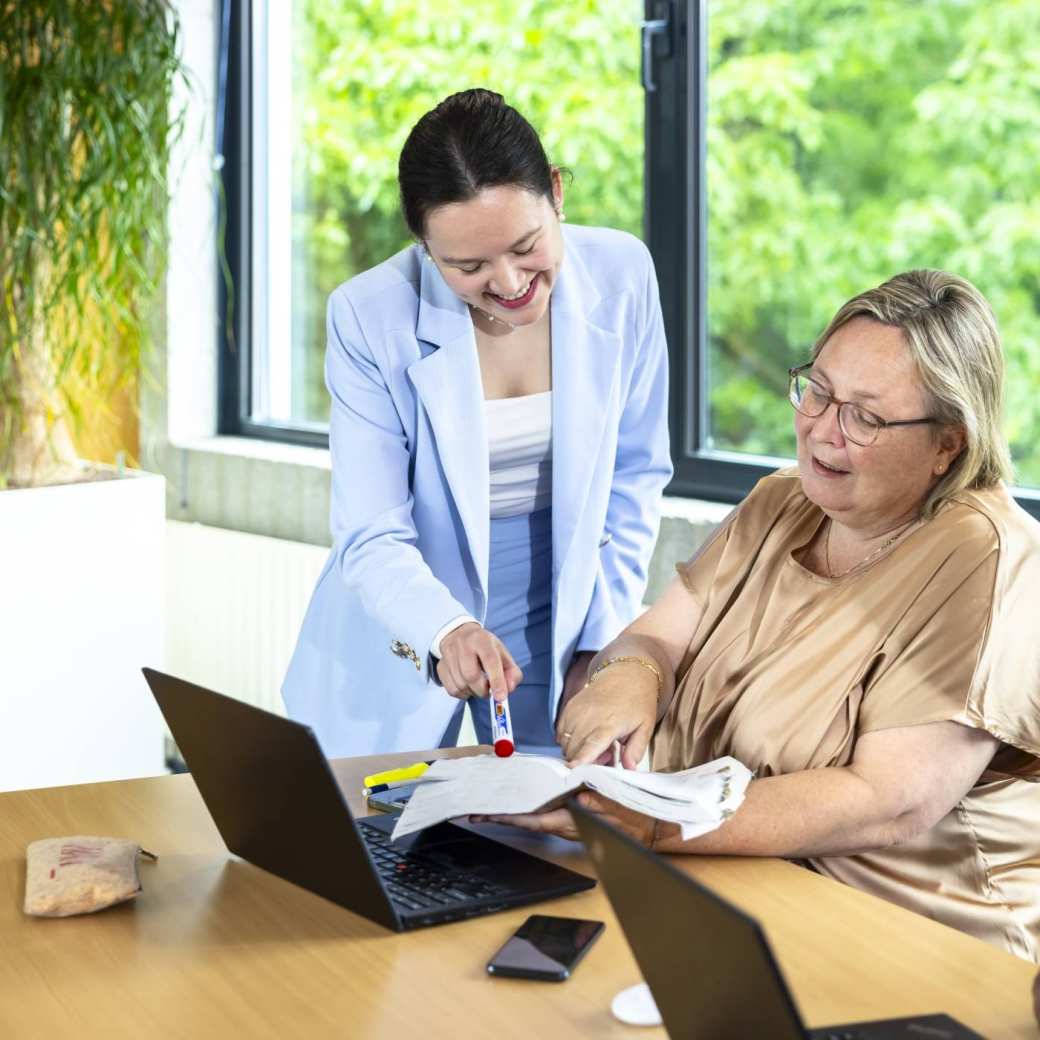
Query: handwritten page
698	799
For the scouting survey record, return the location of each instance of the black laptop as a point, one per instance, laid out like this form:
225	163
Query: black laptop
276	803
708	964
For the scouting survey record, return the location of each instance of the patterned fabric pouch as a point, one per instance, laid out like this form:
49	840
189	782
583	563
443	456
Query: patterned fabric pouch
78	875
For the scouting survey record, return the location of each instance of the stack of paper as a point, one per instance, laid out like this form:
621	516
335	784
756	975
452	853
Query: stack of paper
697	799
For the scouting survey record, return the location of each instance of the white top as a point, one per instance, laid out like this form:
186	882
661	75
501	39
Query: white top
520	451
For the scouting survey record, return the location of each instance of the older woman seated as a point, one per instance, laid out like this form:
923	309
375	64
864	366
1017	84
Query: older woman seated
861	632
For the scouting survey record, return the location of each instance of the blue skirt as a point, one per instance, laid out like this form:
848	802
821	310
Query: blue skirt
520	614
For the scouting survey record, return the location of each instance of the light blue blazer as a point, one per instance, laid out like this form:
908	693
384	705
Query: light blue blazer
410	477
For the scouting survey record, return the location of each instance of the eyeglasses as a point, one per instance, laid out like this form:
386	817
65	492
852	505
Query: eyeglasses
858	424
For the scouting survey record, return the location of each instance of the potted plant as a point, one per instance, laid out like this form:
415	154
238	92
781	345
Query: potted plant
85	132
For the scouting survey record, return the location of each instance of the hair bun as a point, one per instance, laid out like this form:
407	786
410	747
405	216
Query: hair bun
470	141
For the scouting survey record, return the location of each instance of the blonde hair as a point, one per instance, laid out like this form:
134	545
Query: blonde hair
951	334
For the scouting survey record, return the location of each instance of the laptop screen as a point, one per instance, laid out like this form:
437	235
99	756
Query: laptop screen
707	964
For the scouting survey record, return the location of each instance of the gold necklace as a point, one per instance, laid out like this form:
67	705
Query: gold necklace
866	559
491	318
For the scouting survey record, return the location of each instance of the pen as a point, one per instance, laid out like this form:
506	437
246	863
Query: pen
389	776
376	788
501	728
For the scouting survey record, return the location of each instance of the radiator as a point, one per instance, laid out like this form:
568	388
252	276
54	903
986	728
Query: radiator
234	605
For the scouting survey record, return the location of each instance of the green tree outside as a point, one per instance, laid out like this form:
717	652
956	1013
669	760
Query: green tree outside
846	143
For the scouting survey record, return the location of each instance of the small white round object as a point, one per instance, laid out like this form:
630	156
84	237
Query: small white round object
635	1007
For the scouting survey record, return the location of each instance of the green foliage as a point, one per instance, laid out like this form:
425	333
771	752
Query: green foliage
85	130
847	141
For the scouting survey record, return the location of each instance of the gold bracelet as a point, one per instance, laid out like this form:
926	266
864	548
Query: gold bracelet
626	659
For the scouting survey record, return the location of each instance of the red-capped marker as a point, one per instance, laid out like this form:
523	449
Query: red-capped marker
501	728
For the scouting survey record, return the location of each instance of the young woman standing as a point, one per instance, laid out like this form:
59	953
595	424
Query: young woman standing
499	448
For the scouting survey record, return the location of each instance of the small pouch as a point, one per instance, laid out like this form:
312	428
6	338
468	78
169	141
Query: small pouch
79	875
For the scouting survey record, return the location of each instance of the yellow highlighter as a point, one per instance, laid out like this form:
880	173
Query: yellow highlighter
391	776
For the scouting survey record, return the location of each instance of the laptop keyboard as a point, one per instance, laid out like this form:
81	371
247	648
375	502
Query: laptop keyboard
417	883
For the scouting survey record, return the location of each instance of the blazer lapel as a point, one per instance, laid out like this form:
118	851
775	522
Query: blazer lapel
585	361
447	382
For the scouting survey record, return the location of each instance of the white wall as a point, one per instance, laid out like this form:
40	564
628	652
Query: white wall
80	615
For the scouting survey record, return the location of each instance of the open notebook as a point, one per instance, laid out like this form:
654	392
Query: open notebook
697	799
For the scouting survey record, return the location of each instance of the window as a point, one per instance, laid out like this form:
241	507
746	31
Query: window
328	93
832	145
790	155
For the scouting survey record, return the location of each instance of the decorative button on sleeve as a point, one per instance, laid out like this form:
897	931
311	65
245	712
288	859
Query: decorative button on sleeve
405	651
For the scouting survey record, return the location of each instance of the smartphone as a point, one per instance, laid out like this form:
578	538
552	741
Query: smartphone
545	948
392	801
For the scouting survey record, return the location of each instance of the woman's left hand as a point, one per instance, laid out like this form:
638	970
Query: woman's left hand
560	822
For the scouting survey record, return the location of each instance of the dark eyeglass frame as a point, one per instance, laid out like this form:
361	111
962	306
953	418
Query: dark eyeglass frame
882	424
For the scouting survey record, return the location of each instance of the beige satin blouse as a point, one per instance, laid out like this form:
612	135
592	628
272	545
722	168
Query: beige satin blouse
787	668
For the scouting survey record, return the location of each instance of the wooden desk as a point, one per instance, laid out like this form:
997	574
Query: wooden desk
214	947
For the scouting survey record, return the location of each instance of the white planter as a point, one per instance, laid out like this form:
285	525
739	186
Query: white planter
81	593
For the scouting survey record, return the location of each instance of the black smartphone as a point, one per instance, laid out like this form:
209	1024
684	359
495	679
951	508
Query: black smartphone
545	948
393	800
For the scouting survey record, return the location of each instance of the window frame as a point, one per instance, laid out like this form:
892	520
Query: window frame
675	232
235	241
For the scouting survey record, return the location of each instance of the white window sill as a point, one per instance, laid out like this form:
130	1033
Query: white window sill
692	510
263	450
695	510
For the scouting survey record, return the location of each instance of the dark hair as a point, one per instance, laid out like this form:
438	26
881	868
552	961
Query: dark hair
472	140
